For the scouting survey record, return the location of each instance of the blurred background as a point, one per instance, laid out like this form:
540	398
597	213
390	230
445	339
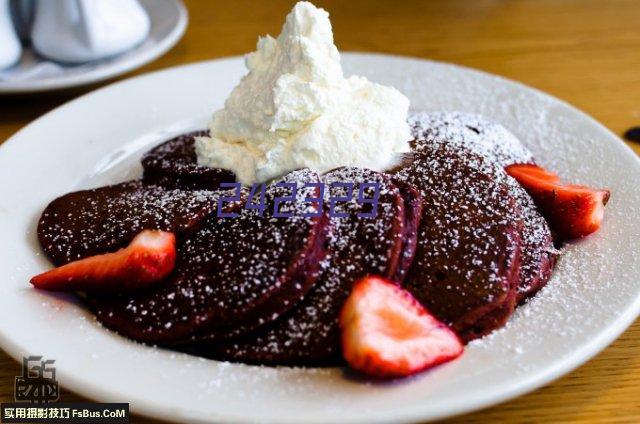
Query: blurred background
586	52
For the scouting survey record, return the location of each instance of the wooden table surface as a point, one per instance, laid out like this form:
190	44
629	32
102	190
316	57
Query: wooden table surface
586	52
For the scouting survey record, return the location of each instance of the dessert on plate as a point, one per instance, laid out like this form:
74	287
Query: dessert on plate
318	221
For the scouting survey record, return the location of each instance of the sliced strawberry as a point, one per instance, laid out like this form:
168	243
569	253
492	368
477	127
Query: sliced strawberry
534	171
146	260
573	211
387	333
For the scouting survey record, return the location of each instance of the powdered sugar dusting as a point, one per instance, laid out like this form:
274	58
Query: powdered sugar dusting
579	151
231	272
468	241
495	148
101	220
474	132
357	247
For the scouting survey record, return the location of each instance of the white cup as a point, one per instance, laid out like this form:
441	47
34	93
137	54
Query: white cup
10	48
22	13
77	31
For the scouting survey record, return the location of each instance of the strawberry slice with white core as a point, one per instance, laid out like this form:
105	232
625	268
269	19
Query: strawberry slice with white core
386	333
146	260
573	211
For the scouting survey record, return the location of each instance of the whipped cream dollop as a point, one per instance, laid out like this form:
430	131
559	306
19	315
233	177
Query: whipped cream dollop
296	109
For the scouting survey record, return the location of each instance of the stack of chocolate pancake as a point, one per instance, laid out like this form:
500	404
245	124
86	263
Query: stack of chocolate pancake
450	226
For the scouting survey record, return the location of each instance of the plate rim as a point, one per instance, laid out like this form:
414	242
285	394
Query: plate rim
501	394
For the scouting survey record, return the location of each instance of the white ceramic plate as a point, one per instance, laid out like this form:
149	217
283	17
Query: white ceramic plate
593	296
168	23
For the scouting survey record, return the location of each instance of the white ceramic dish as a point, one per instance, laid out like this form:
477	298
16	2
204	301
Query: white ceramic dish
593	296
33	74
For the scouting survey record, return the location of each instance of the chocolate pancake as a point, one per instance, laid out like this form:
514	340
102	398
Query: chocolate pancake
309	334
91	222
174	164
466	265
413	212
499	148
231	273
472	132
538	254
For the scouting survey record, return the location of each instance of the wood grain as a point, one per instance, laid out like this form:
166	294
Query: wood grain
586	52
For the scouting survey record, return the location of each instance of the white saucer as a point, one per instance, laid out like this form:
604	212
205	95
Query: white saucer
34	74
593	296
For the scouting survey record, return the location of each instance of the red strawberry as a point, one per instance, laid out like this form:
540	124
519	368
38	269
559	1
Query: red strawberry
148	259
534	170
387	333
573	211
